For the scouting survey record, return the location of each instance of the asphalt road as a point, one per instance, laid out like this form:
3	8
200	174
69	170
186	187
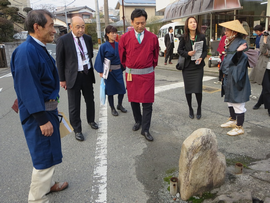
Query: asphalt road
115	164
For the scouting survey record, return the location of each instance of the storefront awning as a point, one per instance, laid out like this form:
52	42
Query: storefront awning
186	8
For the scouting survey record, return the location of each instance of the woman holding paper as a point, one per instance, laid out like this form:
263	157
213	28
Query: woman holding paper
193	47
108	54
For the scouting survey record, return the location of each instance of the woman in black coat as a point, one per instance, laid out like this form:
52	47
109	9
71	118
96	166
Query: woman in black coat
193	68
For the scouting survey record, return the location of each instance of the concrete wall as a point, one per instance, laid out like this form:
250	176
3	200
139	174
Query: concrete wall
9	48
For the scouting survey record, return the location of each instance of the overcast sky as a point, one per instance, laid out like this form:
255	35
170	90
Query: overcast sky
89	3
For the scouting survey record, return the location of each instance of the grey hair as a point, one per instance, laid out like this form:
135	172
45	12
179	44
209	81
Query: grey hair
36	16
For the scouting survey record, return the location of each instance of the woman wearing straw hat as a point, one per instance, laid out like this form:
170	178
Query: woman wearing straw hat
235	84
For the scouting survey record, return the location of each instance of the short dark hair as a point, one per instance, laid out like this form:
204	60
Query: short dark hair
170	28
258	27
108	30
138	13
36	16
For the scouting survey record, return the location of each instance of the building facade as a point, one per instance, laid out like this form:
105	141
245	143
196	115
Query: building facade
212	12
21	4
148	5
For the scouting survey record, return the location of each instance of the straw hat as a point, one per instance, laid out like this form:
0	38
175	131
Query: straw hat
234	25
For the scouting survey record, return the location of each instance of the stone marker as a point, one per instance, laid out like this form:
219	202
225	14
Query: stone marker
201	166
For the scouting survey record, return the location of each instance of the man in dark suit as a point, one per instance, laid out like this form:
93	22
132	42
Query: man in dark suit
74	53
169	43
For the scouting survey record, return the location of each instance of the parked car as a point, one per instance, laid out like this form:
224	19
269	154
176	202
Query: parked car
178	30
21	35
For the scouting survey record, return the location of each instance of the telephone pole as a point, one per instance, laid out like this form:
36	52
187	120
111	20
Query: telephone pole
106	13
98	22
123	9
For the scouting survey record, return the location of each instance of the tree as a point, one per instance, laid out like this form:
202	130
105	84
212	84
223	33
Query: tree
27	9
48	7
90	29
9	15
6	30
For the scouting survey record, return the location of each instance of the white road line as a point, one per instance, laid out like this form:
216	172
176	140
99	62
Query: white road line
99	187
177	85
6	76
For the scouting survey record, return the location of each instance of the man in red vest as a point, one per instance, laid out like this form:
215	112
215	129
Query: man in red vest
138	50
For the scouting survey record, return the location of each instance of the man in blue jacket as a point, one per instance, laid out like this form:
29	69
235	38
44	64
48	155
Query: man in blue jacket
36	84
259	32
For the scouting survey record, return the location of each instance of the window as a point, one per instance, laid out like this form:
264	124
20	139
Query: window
178	31
86	16
159	13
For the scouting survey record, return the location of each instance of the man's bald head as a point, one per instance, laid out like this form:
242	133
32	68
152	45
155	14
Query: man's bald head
77	26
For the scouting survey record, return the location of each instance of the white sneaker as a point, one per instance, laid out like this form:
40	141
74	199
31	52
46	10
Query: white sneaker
238	130
230	124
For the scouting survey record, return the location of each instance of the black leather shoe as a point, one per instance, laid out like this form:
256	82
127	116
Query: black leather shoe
121	108
136	126
93	125
256	107
199	116
114	112
191	114
79	136
147	136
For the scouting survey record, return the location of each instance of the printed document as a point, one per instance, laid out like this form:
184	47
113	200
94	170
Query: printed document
106	68
198	47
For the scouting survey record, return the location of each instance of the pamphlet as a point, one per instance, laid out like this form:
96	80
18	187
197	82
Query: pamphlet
106	68
198	47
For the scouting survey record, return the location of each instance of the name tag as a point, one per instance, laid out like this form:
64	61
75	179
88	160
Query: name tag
85	62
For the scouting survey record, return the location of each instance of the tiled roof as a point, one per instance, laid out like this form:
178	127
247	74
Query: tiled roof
138	2
75	9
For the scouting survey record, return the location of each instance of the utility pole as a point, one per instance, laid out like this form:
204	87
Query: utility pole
66	12
123	17
106	13
98	22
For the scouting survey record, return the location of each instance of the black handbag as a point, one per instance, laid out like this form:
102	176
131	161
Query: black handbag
181	63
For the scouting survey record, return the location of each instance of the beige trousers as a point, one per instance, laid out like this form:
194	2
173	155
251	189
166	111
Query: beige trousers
41	184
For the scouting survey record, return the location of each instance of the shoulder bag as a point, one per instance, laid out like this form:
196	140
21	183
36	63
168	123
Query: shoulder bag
181	63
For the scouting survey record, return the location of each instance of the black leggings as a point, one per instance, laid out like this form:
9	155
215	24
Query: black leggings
199	101
111	102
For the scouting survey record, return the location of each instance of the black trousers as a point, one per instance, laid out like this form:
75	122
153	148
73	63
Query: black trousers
169	54
83	84
265	94
145	118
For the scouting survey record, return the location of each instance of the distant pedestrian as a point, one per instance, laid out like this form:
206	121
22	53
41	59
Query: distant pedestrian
114	82
138	50
74	53
169	43
259	32
193	69
36	83
261	74
221	51
235	84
